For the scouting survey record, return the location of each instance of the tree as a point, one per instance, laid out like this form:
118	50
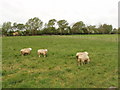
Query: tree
77	27
63	26
85	30
92	29
105	29
114	31
14	27
6	27
21	27
33	25
108	28
50	27
51	23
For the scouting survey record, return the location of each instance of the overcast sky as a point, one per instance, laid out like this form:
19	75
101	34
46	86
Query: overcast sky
92	12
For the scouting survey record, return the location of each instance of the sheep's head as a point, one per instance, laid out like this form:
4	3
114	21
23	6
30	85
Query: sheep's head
86	53
77	54
46	50
30	49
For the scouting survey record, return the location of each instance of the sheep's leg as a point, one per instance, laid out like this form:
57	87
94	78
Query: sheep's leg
82	62
44	55
78	62
39	55
21	54
88	61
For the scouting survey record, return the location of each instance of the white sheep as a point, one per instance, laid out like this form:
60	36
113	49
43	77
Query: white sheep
15	34
25	51
82	58
42	52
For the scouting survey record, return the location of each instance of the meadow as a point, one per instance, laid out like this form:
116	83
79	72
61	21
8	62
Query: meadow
59	69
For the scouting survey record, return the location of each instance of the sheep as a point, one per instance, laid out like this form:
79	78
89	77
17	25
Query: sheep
25	51
15	34
43	52
82	58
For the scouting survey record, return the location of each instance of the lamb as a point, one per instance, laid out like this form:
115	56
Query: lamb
25	51
82	58
43	52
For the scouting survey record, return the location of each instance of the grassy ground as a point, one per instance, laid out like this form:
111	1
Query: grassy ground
59	69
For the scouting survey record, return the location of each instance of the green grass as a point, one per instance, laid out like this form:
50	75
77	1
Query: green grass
59	69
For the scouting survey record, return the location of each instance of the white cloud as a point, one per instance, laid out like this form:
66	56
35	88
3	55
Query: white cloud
89	11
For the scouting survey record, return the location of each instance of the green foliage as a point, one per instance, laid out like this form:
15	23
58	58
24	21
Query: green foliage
92	29
49	30
59	69
51	23
33	25
50	27
77	27
21	26
63	26
14	27
10	33
105	29
115	31
6	27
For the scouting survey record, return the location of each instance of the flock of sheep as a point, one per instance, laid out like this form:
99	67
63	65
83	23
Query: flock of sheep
82	57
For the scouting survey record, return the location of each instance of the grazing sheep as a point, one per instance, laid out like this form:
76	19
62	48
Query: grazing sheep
15	34
43	52
25	51
82	58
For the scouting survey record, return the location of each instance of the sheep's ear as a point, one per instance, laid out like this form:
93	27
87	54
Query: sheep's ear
30	48
76	54
86	53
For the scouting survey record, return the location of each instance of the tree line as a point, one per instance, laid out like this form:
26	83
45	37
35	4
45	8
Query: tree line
35	26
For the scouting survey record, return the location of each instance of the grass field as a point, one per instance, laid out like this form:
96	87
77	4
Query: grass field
59	68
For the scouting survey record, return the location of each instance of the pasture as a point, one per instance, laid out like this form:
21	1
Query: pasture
59	69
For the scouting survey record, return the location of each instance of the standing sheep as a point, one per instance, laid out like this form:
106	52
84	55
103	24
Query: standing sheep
25	51
82	58
43	52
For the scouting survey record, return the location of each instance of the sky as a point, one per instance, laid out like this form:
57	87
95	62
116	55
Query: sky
91	12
